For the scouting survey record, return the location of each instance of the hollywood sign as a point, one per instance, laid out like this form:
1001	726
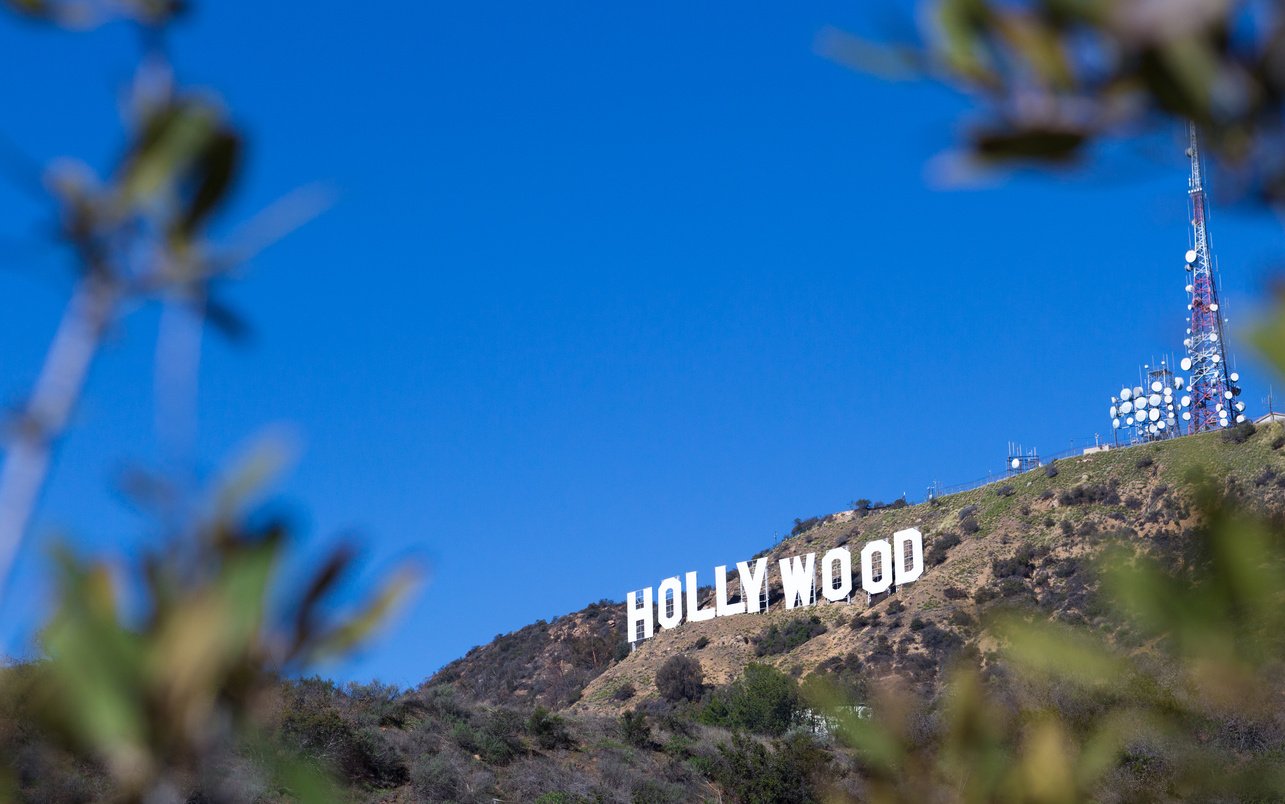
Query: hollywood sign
884	563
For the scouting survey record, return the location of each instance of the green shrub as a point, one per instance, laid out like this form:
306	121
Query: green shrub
984	595
1240	433
1087	493
785	638
680	679
624	692
634	728
937	550
316	727
763	700
434	778
748	772
548	730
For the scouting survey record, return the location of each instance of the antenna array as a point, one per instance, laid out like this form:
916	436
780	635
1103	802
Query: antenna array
1163	405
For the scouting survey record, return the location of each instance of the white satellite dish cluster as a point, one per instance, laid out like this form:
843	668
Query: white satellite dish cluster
1151	412
1163	409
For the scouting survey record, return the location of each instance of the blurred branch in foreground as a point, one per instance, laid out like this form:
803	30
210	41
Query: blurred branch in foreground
1052	76
166	686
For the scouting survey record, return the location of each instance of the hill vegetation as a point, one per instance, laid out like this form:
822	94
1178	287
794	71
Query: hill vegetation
564	711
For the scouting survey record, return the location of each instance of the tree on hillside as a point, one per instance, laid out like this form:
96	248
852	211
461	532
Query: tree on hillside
680	679
762	700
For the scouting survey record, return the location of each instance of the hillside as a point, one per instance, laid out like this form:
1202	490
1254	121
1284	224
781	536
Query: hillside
1030	540
561	712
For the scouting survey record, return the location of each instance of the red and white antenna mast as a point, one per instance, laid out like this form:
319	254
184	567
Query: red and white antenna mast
1213	391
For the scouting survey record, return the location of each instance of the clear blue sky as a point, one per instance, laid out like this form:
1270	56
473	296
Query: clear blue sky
612	291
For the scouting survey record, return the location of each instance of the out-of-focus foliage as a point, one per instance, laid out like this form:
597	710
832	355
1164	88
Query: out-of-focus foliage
88	13
166	701
159	677
1053	75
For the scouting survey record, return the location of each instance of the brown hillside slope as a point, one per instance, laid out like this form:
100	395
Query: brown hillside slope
1025	541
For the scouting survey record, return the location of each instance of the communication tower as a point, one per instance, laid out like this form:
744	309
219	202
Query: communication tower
1213	391
1020	461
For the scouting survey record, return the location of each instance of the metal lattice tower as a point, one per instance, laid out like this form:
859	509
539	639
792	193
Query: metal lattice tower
1212	390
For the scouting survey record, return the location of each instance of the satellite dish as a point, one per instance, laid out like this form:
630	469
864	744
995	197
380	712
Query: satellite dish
1126	407
1190	256
1219	408
1186	364
1115	423
1156	386
1213	336
1017	462
1137	390
1240	406
1186	415
1140	403
1188	306
1153	414
1214	307
1185	401
1160	425
1129	421
1240	418
1153	400
1125	393
1228	394
1189	288
1113	411
1186	342
1215	358
1177	382
1235	377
